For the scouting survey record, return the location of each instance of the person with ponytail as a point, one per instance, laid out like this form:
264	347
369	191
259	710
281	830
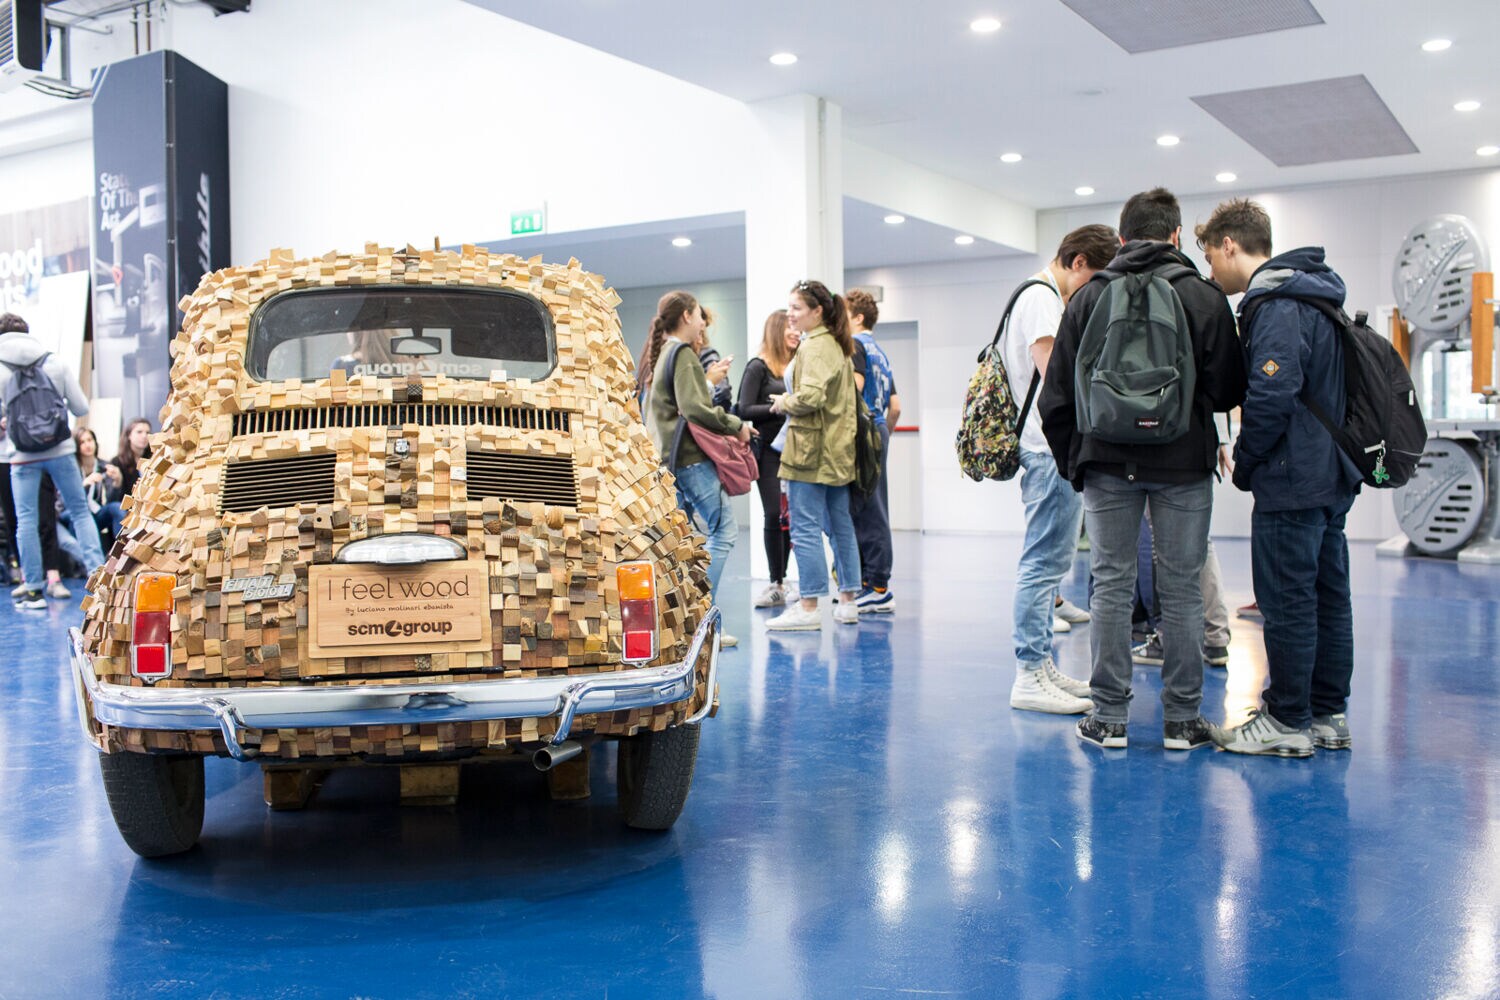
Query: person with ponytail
818	460
672	351
765	377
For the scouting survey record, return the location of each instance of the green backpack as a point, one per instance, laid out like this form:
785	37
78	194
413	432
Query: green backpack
1135	378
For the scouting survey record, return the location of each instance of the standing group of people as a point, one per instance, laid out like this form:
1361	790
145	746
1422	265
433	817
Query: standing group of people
1284	354
798	408
58	497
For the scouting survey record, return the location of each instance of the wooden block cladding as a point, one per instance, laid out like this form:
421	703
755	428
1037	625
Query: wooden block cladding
550	482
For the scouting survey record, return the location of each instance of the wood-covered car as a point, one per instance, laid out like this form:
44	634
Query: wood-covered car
402	510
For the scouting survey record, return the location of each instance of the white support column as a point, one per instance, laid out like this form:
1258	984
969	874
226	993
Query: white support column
794	223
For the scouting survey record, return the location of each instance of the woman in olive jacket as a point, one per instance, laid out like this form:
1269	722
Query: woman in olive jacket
818	461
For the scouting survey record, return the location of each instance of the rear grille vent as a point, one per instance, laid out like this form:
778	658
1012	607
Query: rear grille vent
278	482
523	478
398	414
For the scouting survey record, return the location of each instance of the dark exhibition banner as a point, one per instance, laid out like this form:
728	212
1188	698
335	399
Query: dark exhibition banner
161	216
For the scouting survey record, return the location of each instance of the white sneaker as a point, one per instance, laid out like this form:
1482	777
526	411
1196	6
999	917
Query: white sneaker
1071	613
58	591
1033	691
771	597
727	641
797	619
792	596
20	590
846	614
1061	681
1060	625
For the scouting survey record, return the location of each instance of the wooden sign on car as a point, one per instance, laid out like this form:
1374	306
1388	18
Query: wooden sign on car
362	610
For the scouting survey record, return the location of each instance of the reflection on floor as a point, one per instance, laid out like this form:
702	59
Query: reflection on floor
869	819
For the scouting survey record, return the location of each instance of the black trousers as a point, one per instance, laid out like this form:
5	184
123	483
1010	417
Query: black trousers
46	502
872	522
777	538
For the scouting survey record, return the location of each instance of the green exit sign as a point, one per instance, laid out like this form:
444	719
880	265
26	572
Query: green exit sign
526	223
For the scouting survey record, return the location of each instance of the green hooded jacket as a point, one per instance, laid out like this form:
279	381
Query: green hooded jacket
820	411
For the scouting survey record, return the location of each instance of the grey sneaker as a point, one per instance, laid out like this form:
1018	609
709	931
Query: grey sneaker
1331	732
1216	656
1110	735
1263	735
1076	688
1149	653
773	596
1187	735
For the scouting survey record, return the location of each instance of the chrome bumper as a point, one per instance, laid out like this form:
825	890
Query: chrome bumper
307	707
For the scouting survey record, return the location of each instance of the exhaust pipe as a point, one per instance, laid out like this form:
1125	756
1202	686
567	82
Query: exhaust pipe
550	756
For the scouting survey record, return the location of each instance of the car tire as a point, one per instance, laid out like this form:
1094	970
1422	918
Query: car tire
655	772
157	801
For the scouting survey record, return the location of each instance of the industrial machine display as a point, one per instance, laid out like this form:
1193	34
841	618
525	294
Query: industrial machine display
1446	309
402	510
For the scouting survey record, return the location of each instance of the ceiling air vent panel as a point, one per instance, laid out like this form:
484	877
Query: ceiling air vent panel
1148	25
1322	121
278	482
519	478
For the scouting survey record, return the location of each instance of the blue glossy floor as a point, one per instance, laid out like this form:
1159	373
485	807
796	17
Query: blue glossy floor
869	819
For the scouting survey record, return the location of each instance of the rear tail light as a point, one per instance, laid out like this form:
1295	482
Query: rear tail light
151	639
637	584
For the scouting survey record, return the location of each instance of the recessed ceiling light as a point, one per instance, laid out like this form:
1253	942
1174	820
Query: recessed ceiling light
682	241
963	241
1436	45
1466	106
984	25
1167	140
1487	150
1010	157
1083	192
783	59
894	219
1227	177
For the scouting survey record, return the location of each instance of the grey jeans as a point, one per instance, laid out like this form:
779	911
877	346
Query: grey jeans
1179	517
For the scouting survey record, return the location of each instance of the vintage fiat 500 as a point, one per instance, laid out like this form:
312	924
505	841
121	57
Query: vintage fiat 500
402	510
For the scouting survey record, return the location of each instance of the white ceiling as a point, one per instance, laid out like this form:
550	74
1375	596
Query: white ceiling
915	82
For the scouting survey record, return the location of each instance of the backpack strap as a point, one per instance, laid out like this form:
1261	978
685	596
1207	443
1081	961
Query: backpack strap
1005	316
1174	271
1340	321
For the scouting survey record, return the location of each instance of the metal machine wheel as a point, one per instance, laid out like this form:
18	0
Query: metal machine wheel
1441	506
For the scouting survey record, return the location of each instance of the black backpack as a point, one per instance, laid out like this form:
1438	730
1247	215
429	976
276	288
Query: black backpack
1136	378
1383	432
866	449
36	414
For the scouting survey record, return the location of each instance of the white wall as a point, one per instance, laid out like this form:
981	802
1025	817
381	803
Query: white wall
394	121
46	176
1361	225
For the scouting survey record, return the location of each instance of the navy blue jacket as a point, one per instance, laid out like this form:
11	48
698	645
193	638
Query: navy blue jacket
1284	456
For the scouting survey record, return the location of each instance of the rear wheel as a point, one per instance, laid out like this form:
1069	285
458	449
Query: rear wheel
655	774
157	801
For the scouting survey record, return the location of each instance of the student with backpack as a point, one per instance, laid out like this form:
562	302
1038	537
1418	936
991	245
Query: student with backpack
1303	484
872	518
1054	512
37	391
1146	353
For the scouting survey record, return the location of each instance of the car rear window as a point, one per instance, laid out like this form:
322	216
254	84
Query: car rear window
396	332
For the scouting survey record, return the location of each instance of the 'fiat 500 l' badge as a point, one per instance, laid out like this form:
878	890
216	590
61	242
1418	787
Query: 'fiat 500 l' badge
403	447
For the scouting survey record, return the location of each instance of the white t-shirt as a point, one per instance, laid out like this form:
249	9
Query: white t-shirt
1036	315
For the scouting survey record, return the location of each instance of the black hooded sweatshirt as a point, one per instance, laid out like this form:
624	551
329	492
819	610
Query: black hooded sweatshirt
1220	382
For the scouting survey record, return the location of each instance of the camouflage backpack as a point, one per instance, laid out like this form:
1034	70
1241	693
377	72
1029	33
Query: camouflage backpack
989	438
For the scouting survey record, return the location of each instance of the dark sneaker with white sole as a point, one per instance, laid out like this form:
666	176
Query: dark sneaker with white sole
1263	735
1110	735
1331	732
1149	653
1189	734
1216	656
31	600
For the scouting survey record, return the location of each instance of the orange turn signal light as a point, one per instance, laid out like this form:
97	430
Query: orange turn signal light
637	581
153	591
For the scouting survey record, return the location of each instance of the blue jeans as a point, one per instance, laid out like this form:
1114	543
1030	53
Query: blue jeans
1054	511
1180	514
1300	562
25	482
811	505
702	498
